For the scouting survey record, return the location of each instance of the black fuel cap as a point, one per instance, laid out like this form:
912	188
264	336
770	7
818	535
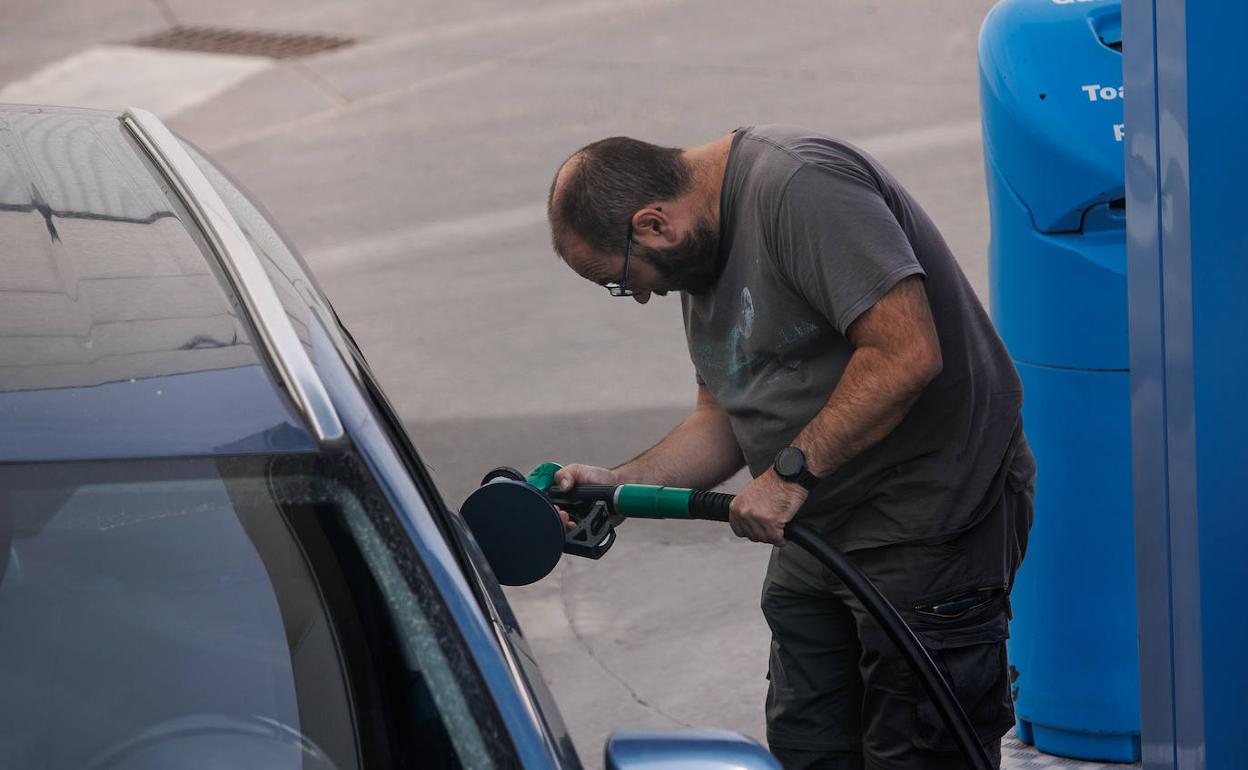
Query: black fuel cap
518	529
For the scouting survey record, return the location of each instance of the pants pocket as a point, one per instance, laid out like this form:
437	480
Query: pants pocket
978	674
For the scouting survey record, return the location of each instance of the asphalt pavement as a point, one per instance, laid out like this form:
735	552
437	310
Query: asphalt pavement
411	169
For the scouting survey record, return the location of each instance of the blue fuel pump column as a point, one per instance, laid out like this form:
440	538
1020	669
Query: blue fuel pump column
1052	95
1187	170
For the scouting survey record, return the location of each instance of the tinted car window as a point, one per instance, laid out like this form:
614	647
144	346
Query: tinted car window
261	610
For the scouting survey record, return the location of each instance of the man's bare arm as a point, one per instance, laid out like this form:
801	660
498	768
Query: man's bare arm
896	354
701	452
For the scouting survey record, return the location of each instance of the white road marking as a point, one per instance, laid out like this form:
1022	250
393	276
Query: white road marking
425	236
114	77
452	232
356	106
940	135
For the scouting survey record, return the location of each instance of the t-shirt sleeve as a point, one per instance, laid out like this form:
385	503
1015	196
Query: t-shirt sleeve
839	243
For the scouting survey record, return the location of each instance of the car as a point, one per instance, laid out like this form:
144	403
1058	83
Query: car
218	546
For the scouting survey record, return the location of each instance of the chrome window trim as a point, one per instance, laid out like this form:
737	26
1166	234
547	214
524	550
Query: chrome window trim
239	261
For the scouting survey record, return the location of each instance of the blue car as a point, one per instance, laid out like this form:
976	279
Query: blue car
218	547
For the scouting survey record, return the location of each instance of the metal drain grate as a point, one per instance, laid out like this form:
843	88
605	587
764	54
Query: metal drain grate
275	45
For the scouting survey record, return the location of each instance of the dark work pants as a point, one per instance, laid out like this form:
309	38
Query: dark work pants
842	696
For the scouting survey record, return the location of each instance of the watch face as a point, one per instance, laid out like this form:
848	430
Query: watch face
790	462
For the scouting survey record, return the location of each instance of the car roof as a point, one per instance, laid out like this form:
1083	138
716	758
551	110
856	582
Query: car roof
121	334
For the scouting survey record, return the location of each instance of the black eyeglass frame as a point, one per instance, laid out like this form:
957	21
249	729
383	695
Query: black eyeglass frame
621	289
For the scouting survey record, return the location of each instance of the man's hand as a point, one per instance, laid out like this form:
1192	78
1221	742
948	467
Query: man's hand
763	508
572	475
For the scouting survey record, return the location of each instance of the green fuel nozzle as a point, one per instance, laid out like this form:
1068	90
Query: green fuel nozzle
514	517
636	501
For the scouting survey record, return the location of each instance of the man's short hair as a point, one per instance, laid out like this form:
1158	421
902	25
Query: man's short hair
610	180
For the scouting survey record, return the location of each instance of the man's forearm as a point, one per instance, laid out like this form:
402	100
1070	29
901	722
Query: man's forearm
701	452
873	395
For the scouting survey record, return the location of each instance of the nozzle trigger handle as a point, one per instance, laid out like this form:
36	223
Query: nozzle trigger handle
593	535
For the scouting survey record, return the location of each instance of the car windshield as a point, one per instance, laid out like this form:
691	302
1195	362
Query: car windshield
259	610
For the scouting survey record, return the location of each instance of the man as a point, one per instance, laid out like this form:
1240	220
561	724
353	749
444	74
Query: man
841	353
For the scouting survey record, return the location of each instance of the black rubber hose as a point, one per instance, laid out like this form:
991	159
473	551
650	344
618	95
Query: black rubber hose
715	505
710	505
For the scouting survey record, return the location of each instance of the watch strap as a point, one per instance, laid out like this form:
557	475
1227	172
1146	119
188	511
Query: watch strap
807	480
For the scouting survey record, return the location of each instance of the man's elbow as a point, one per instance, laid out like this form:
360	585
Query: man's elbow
925	365
933	363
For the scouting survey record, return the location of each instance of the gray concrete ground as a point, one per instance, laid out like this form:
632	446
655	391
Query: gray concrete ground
411	169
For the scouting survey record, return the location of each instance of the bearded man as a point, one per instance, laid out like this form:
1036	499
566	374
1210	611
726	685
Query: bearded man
842	355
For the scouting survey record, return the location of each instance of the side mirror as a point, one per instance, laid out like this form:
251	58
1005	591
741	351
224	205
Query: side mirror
688	749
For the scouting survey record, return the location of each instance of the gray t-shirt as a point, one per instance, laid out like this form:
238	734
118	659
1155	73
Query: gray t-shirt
815	232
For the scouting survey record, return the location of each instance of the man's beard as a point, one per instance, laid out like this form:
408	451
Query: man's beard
692	266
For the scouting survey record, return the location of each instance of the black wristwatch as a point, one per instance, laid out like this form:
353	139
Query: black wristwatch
790	465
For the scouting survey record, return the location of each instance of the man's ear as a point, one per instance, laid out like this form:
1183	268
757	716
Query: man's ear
653	227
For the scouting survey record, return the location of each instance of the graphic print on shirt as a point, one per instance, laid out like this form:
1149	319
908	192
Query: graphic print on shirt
739	365
742	358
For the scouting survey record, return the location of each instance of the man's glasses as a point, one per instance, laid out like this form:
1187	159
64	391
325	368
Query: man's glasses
621	289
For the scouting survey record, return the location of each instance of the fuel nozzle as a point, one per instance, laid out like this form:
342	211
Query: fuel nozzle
589	508
516	520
